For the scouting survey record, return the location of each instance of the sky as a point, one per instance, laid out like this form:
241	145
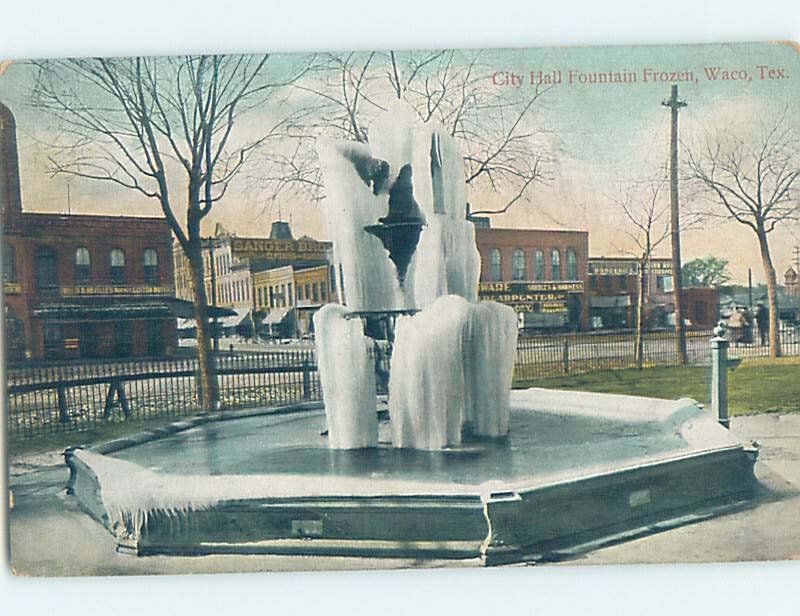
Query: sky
607	135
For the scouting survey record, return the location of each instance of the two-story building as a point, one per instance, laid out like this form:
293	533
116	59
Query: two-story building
541	273
81	285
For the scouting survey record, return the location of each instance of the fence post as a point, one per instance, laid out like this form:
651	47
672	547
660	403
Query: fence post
565	356
719	376
306	380
63	415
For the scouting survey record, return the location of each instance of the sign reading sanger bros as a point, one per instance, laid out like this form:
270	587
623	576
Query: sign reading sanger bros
279	250
543	296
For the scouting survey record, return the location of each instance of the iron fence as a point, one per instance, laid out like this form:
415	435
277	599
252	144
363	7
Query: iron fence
70	396
73	396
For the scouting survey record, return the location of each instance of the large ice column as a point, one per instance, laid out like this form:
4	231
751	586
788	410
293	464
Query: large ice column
446	261
490	343
426	385
347	374
370	280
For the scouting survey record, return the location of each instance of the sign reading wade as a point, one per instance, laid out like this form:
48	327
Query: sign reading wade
544	296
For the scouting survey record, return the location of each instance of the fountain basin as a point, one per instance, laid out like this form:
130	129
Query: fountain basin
576	469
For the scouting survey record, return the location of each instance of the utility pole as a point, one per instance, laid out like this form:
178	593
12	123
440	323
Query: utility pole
675	104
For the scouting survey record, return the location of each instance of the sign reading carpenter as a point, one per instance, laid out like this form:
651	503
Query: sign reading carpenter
542	296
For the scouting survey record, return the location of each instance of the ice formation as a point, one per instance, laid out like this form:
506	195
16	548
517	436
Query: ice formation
446	261
490	343
426	383
451	370
347	374
452	362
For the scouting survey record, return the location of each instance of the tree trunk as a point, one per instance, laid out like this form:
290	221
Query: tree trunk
209	388
772	293
639	353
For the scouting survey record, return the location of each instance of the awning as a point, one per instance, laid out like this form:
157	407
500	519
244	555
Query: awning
609	301
100	312
277	315
110	309
234	320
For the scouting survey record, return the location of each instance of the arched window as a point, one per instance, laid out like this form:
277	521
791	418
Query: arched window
555	264
117	261
9	263
496	262
538	265
572	265
519	265
46	268
83	265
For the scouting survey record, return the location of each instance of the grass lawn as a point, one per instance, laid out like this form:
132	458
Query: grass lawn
756	386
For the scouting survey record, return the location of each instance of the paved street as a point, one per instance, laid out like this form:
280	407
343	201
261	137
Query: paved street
50	536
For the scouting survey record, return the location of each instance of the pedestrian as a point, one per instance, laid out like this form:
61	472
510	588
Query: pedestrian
762	320
736	325
749	323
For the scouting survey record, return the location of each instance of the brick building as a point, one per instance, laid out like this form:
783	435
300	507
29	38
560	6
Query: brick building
613	293
540	273
82	285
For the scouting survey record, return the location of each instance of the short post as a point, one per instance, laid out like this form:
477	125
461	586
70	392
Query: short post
565	356
306	380
719	376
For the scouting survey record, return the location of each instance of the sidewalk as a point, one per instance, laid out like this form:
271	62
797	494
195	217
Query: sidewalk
50	536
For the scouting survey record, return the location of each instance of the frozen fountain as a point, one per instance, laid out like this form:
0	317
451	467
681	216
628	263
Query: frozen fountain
396	213
453	463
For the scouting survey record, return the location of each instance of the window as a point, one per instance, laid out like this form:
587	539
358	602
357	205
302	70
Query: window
519	267
299	293
46	268
291	296
308	292
83	265
555	264
496	265
572	265
622	279
316	292
538	265
322	292
117	260
9	263
150	266
333	279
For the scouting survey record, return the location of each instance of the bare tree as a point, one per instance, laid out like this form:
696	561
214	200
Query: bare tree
750	177
151	124
506	150
648	218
